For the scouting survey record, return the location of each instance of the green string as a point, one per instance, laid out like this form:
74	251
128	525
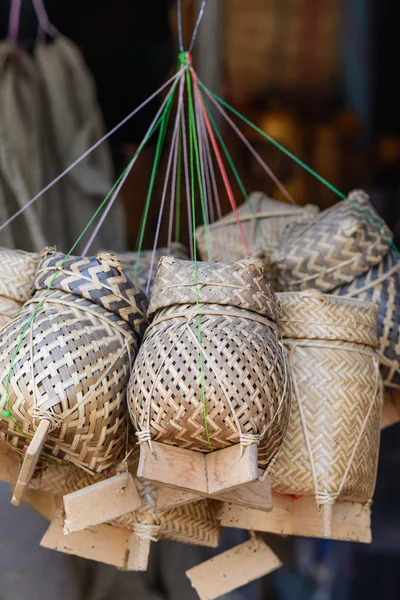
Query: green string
7	413
193	149
235	171
362	211
163	120
178	185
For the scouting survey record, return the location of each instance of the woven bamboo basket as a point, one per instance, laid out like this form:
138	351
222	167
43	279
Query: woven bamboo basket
140	272
263	221
332	443
334	248
17	270
381	285
239	364
68	382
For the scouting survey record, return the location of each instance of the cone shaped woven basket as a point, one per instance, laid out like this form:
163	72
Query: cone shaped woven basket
237	361
381	285
137	266
83	326
17	270
263	220
332	443
334	248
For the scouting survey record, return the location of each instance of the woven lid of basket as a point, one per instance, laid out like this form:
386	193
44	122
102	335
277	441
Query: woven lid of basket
241	284
98	279
17	269
263	220
314	315
137	266
335	247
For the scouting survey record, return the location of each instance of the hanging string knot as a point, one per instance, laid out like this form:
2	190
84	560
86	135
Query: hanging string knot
185	58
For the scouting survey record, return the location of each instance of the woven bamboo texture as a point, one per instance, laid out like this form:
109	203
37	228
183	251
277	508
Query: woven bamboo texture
263	221
337	246
139	273
17	270
239	364
381	285
73	365
332	443
194	523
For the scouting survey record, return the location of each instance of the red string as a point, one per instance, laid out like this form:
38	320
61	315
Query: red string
220	162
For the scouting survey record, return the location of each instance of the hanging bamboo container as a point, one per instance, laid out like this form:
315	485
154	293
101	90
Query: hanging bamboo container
142	268
334	248
67	388
263	221
211	373
17	269
332	442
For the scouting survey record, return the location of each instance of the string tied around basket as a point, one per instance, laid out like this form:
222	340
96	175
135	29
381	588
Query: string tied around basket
185	58
144	531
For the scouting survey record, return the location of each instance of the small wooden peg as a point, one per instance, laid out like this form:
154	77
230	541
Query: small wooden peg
138	556
9	463
30	461
233	569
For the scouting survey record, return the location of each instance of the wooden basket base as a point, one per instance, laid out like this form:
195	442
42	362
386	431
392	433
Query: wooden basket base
351	521
210	474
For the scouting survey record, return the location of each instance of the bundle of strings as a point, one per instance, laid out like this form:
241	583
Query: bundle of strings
82	330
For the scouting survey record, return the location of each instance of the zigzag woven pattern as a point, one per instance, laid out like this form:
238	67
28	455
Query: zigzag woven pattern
381	285
246	384
339	245
17	269
337	400
74	362
129	263
224	237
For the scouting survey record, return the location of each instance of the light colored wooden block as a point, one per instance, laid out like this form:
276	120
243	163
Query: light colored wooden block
101	502
207	474
103	543
391	409
138	557
168	497
233	569
350	520
9	463
226	469
44	503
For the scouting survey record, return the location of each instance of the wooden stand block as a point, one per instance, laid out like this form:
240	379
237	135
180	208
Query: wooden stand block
101	502
138	557
232	569
209	474
103	543
168	498
9	463
350	520
30	461
391	409
43	503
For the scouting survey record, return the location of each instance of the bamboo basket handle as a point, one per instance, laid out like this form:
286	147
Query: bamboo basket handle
30	461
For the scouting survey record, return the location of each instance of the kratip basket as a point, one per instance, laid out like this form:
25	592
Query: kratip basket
139	273
239	363
263	221
381	285
17	270
334	248
332	442
73	365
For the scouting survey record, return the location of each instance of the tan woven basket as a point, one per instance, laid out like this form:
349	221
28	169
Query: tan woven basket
381	285
17	270
263	220
239	362
139	273
332	443
73	364
337	246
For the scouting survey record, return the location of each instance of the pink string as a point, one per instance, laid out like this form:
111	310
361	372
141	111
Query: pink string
186	169
252	150
167	177
13	23
43	19
213	177
174	172
81	158
121	183
208	165
201	156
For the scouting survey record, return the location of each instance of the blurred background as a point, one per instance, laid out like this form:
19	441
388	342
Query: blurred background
320	77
